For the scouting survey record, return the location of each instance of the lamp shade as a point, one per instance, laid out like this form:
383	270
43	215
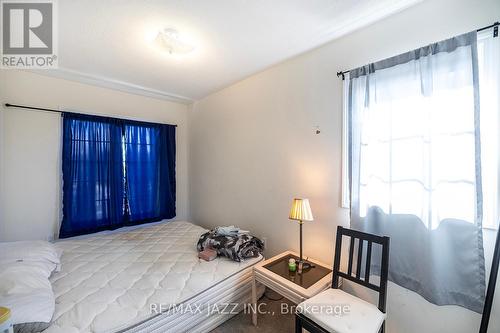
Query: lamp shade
301	210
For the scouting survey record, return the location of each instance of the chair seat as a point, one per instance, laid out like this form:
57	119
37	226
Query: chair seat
325	310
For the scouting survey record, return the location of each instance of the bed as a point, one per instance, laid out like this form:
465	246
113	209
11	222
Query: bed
129	280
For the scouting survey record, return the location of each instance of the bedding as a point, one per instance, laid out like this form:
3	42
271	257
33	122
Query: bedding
30	251
238	246
110	281
30	327
24	281
236	289
25	289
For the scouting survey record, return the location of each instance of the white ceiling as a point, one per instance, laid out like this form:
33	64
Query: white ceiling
109	42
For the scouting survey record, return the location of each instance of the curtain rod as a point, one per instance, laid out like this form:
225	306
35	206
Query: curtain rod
8	105
495	34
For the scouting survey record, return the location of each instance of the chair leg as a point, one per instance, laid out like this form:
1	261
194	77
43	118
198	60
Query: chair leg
298	324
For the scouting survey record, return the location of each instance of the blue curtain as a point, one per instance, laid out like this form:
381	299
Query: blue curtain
150	169
93	186
115	172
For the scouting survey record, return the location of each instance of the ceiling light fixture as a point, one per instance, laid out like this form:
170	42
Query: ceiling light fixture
170	40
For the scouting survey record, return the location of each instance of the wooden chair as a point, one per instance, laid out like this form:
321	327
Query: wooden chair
363	317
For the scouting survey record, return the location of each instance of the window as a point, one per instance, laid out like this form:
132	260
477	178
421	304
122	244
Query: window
489	86
417	150
115	172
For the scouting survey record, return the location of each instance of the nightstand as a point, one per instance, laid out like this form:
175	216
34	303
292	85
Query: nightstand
274	273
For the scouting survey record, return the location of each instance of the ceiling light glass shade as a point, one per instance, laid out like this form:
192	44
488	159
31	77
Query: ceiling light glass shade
170	41
301	210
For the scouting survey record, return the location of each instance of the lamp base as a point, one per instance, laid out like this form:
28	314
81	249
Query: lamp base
304	265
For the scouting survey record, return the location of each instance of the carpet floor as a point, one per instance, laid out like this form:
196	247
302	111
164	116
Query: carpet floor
275	317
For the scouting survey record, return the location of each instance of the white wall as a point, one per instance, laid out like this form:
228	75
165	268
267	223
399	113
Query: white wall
253	146
30	146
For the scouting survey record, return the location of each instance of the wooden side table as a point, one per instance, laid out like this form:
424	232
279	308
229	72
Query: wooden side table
274	273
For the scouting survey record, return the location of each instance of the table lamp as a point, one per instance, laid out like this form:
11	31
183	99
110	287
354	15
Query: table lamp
301	211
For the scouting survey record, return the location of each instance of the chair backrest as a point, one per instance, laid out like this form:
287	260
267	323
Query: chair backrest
356	277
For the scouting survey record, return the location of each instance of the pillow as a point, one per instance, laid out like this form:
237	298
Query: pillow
38	250
24	280
26	290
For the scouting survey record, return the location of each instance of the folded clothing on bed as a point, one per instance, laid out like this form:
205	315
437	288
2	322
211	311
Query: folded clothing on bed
229	231
236	245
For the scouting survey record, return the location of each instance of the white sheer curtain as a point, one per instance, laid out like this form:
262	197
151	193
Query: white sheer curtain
415	167
417	140
489	91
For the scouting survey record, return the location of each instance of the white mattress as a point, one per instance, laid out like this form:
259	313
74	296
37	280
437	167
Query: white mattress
224	296
109	281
